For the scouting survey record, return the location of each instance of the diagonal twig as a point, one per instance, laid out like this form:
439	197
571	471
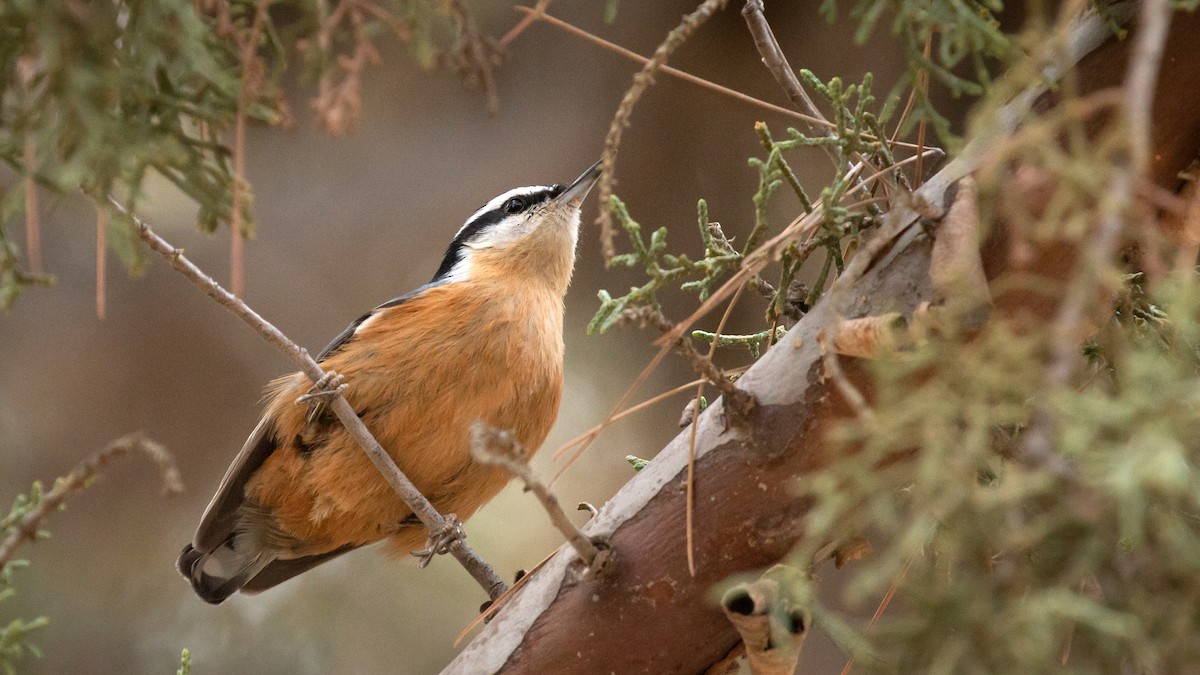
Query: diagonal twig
775	61
26	529
641	81
1140	80
429	516
501	449
532	14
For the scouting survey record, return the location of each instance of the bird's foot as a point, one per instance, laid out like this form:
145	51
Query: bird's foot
323	390
440	542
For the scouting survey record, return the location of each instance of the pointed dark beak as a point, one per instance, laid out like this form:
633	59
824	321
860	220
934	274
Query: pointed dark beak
582	185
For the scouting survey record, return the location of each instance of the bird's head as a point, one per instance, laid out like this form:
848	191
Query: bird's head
526	235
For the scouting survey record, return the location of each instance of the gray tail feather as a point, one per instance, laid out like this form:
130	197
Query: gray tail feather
221	572
280	570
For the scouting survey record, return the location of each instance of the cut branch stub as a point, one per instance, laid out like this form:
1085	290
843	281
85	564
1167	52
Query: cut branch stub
771	616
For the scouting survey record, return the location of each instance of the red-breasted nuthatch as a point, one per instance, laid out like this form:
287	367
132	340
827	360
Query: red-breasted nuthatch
481	341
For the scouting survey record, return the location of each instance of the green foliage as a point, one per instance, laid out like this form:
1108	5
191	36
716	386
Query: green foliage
14	636
1005	563
854	142
610	10
637	462
185	663
959	31
98	96
1001	560
751	343
661	268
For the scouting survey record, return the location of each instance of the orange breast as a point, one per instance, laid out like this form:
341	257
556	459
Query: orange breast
420	374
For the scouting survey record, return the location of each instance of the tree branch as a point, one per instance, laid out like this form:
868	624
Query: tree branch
775	61
429	516
747	516
500	448
27	527
641	82
1140	79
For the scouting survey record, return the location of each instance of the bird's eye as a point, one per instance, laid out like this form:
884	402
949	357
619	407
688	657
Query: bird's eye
514	205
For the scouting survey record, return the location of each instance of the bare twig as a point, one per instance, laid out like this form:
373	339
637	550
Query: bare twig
500	448
26	529
883	604
738	403
250	84
624	413
101	261
775	61
531	15
477	54
429	516
1140	79
688	77
27	71
33	228
922	84
641	81
612	414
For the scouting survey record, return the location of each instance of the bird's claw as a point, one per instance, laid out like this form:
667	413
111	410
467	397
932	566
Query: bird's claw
318	396
440	542
329	385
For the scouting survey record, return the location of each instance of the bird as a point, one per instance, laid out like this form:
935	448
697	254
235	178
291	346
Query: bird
482	341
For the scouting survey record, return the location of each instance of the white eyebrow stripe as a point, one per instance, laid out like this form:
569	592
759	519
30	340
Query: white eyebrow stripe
497	201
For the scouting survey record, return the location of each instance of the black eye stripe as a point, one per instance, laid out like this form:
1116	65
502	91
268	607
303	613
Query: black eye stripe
490	218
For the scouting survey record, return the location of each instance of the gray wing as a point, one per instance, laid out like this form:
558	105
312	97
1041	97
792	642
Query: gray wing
221	516
280	571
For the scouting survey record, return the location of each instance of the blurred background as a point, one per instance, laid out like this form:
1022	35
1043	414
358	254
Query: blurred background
344	224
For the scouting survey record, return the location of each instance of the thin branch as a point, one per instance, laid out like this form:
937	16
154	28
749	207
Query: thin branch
641	81
923	86
624	413
250	82
26	529
612	414
499	448
883	604
688	77
429	516
101	261
775	61
1140	78
33	227
531	15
